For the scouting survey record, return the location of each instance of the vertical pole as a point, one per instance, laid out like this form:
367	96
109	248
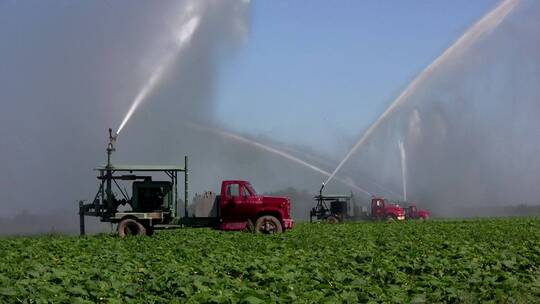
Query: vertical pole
110	150
186	176
175	202
108	190
102	199
81	217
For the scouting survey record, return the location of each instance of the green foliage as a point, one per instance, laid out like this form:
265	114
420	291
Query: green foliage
468	261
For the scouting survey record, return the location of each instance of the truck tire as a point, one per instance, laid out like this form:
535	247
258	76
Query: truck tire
391	219
130	227
332	220
268	224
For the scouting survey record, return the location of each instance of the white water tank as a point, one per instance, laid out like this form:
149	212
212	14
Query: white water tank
204	205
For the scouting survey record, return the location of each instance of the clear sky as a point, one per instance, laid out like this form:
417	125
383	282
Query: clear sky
318	72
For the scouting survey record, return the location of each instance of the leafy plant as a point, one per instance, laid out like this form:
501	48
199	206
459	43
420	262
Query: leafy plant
483	260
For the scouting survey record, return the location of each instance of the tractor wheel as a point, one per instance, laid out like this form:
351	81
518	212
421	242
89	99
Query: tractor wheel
332	220
129	227
268	224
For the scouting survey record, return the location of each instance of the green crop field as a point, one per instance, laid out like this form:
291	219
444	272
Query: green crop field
495	260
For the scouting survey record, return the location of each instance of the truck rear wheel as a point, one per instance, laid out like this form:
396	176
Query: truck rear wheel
332	220
268	224
130	227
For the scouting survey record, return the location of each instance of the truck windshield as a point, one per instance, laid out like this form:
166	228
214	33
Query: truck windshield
251	189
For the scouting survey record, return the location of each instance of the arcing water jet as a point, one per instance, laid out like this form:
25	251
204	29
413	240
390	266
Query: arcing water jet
188	28
274	151
484	26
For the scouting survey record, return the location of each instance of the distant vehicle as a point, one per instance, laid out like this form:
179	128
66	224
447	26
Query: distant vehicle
154	204
382	209
413	213
339	208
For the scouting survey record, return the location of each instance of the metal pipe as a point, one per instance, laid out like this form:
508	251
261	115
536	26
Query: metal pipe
186	176
320	191
175	202
81	218
110	148
129	177
108	188
125	195
102	188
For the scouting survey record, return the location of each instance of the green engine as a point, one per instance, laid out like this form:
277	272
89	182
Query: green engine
149	196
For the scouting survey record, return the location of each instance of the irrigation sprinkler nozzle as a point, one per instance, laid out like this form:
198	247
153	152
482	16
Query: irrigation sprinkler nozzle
112	138
110	147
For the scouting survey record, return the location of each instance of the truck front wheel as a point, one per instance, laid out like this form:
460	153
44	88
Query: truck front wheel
268	224
130	227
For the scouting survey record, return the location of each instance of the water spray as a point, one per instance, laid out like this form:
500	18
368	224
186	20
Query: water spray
274	151
187	30
403	168
484	26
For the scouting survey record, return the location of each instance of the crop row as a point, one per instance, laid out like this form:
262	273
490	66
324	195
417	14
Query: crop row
436	261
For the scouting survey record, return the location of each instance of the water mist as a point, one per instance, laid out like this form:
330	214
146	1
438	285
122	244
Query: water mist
484	26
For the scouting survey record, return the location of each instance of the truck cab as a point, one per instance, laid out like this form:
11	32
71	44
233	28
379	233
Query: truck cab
240	207
381	209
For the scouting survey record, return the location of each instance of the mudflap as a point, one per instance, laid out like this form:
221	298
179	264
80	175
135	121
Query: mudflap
288	223
250	227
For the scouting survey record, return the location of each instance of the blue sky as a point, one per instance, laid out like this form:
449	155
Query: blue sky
317	73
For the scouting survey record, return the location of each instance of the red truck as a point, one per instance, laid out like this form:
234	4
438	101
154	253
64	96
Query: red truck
413	213
239	207
381	209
